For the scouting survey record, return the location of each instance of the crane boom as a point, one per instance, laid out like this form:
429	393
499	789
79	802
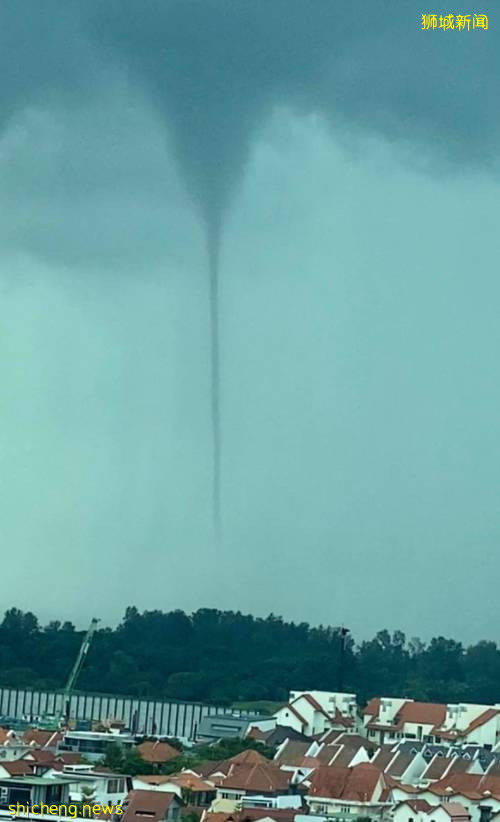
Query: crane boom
77	667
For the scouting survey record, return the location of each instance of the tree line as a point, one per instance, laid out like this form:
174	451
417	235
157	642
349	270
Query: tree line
224	657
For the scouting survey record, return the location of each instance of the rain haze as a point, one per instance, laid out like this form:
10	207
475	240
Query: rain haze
340	165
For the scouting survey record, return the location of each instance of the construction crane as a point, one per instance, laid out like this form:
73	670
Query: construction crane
75	672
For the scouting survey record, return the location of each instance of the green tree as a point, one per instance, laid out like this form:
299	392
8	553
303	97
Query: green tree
114	758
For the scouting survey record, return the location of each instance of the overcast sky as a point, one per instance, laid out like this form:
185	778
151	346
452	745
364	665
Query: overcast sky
353	158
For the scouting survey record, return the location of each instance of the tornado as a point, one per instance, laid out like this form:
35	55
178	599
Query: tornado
214	71
213	249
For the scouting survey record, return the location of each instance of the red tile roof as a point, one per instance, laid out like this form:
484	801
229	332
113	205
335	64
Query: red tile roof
437	767
40	756
157	752
343	757
191	782
418	713
340	719
6	736
423	713
355	741
209	767
456	810
260	777
18	767
467	784
44	739
373	707
400	764
418	805
148	806
293	752
278	814
330	736
327	753
382	758
248	757
352	784
70	758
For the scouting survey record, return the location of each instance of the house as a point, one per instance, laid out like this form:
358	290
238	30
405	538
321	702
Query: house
18	767
440	767
386	719
419	810
40	757
262	779
98	784
412	810
347	792
283	802
313	713
192	789
11	745
267	815
330	701
29	791
216	772
344	756
478	794
156	752
471	724
253	814
151	806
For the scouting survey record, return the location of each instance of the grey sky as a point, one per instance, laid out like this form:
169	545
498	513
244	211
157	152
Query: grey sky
357	172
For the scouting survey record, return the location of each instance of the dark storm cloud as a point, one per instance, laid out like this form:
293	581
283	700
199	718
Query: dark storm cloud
216	68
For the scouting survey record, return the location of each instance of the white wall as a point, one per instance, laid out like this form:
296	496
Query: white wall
286	717
415	769
389	707
331	700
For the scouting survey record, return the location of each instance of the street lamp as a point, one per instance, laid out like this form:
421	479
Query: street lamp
344	632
